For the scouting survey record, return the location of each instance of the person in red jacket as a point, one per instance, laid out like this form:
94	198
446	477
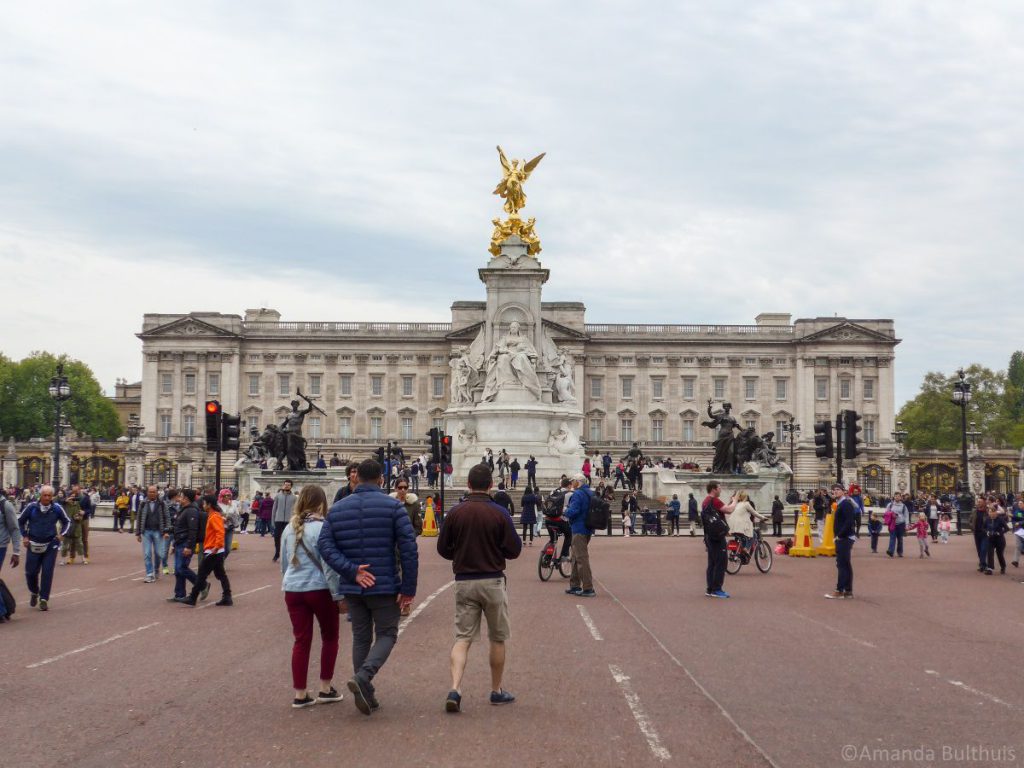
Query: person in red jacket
213	555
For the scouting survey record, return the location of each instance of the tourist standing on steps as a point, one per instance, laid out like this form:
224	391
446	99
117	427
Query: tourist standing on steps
284	503
845	528
581	581
528	512
674	511
152	525
716	529
365	536
693	512
531	471
213	556
478	538
38	522
10	536
310	592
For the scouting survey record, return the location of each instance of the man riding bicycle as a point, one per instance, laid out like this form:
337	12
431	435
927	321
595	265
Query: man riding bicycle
554	509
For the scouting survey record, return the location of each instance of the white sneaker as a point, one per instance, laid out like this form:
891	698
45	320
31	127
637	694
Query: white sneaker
150	578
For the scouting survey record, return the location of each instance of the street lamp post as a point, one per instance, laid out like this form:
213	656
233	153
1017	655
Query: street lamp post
60	391
961	399
791	429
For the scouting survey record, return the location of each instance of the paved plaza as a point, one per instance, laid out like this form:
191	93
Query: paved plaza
650	672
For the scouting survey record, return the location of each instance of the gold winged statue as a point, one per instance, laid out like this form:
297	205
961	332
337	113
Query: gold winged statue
510	188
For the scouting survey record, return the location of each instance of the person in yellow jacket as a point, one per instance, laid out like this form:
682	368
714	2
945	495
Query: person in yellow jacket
121	510
213	554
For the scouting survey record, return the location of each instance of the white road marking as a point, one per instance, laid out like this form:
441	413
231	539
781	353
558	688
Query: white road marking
91	646
74	591
240	594
421	607
707	694
839	632
589	622
642	720
964	687
118	578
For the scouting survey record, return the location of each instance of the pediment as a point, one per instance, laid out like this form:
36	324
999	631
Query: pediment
563	332
189	326
465	334
848	331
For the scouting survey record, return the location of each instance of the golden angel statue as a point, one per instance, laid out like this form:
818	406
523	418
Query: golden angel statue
511	186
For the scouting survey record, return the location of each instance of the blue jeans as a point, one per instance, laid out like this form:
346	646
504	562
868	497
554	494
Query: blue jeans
3	554
844	548
165	546
182	572
34	563
896	538
151	550
229	535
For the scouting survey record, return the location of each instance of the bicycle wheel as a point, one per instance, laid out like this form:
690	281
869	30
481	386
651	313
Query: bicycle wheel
763	556
545	565
733	563
565	567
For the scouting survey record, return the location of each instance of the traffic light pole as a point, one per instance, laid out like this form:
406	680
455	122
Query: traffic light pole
840	432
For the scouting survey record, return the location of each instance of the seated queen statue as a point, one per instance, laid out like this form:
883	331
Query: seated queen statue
512	364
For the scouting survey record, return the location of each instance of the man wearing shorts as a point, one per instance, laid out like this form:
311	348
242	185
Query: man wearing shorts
478	536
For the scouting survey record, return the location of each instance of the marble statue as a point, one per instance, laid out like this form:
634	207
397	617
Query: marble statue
464	437
767	455
565	385
563	441
512	363
463	379
515	174
724	462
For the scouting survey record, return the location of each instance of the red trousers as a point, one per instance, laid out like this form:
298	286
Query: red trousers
302	607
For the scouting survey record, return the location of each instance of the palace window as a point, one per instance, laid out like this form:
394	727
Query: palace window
845	388
688	425
376	427
596	386
213	383
314	427
869	431
750	424
438	421
658	430
407	386
166	383
406	358
750	361
780	432
254	383
188	424
869	389
438	382
345	427
407	428
284	384
658	388
750	388
345	388
719	383
626	429
165	425
595	430
190	383
377	385
627	387
689	387
377	358
437	360
821	388
781	385
314	384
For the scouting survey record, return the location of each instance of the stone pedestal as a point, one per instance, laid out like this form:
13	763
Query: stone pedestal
134	465
976	471
900	464
185	471
251	479
762	487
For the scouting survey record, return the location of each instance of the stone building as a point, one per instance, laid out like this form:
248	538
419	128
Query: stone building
634	382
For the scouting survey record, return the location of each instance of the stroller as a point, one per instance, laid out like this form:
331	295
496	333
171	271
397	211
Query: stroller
652	522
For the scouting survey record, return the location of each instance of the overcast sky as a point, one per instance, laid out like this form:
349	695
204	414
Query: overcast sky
706	162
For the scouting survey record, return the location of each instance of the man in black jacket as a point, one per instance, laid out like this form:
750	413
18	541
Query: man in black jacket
846	534
185	535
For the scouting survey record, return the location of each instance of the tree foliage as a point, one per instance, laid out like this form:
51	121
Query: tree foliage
996	407
27	410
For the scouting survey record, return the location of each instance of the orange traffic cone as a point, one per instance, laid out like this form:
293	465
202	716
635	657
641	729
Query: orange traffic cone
828	537
429	519
802	544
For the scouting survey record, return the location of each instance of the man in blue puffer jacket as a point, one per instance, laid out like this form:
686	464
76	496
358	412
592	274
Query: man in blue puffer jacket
359	541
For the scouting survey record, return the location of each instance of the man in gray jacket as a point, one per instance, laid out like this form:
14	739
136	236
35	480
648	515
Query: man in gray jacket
10	536
281	514
151	527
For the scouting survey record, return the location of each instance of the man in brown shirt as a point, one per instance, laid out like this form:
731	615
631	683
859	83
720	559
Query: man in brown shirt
478	536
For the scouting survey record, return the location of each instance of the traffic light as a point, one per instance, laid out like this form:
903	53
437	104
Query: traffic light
435	444
213	415
446	450
231	432
851	442
823	447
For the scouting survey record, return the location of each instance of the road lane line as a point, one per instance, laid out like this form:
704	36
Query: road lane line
964	687
589	622
118	578
240	594
839	632
89	647
74	591
642	720
422	607
707	694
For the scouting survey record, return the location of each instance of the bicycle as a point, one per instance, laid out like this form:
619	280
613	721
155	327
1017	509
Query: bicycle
760	551
546	563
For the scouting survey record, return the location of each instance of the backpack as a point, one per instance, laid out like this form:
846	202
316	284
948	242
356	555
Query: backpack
715	526
599	515
8	599
554	502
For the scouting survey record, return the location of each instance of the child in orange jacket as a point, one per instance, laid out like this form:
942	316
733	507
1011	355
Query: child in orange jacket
213	559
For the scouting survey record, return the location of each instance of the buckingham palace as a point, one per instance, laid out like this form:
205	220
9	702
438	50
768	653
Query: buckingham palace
636	383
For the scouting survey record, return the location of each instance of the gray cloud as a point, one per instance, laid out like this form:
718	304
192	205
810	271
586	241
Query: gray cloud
860	159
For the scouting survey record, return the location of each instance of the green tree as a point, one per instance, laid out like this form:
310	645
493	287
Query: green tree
27	410
934	422
1015	388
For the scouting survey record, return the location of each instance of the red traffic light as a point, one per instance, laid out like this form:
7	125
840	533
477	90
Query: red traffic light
446	440
212	406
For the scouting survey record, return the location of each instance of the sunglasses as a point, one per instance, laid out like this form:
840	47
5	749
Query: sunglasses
402	487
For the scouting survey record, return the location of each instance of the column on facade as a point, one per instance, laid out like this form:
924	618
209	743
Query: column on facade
885	396
150	390
642	399
177	388
360	397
